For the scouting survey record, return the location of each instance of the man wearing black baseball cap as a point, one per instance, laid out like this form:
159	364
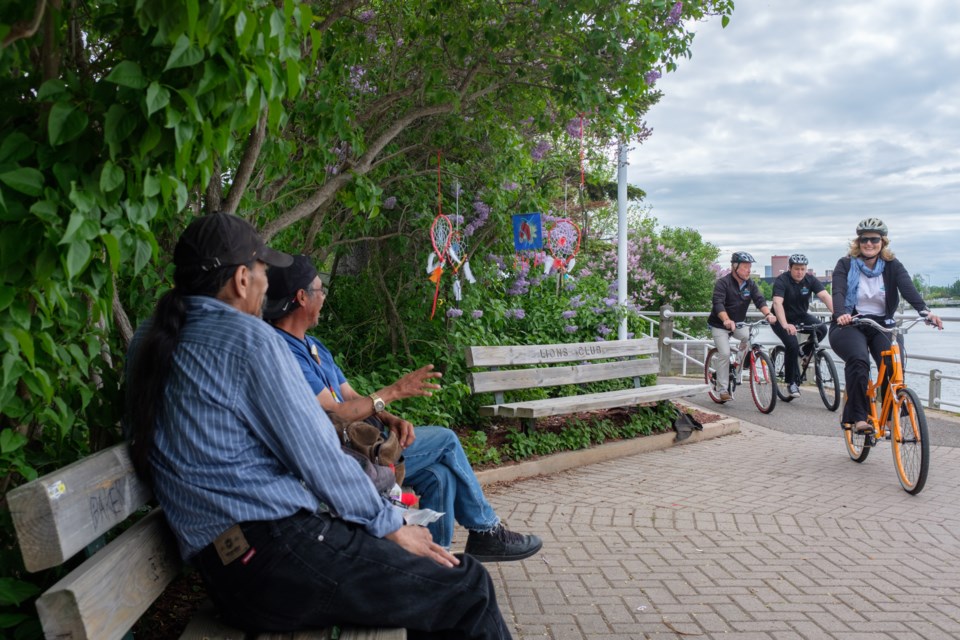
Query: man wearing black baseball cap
285	529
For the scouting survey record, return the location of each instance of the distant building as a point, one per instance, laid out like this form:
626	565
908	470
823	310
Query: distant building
779	264
766	271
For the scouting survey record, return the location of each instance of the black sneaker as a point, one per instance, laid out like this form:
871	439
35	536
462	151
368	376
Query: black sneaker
793	390
501	545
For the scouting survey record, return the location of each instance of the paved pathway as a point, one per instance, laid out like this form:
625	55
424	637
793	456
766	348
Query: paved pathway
760	535
807	415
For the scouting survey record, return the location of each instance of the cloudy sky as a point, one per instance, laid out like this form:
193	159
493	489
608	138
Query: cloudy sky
803	117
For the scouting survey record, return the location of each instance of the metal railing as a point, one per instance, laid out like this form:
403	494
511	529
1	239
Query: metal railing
676	343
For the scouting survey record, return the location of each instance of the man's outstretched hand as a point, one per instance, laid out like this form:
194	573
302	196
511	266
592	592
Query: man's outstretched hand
417	383
417	540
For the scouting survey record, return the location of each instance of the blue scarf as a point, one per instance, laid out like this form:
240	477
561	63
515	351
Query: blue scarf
853	280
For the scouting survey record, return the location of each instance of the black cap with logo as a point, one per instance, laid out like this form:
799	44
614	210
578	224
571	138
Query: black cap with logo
222	239
284	285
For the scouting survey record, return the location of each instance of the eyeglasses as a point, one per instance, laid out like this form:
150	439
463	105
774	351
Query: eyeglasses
870	240
319	290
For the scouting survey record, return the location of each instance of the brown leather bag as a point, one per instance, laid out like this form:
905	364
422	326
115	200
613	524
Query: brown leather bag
375	447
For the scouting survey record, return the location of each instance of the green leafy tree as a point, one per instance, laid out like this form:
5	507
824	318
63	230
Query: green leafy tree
116	116
321	121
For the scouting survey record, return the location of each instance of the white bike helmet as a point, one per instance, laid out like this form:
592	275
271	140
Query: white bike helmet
871	224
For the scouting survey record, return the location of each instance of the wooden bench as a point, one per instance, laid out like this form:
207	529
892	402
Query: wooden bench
620	359
60	514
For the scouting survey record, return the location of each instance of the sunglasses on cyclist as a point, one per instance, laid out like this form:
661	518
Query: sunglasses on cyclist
870	239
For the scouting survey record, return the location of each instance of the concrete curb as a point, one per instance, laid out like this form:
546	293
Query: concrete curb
609	451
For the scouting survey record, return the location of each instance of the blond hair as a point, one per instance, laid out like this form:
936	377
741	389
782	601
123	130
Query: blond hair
885	251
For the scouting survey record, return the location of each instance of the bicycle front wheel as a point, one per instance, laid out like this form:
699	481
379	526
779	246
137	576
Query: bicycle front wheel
710	374
763	385
779	357
827	381
911	443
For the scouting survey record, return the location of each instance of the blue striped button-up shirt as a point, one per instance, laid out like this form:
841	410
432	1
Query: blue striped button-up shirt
242	437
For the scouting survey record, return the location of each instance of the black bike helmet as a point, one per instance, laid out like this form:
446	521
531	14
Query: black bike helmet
798	258
871	224
741	256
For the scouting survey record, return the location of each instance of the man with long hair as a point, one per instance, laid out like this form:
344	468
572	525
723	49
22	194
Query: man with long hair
285	529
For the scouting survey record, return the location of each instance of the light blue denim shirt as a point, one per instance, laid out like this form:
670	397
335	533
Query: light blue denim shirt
242	437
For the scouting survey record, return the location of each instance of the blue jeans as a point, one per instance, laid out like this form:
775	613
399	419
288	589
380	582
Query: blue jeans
438	470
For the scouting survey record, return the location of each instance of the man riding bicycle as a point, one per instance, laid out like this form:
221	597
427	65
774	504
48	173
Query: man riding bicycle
731	298
791	301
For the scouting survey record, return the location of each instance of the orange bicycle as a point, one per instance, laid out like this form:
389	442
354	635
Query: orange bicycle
898	417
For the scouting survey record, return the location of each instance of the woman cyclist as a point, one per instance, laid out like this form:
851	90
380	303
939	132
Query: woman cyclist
867	282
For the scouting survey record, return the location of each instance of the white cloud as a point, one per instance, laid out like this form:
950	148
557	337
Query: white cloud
801	118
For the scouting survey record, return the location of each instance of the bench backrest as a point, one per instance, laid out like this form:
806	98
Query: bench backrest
58	515
624	362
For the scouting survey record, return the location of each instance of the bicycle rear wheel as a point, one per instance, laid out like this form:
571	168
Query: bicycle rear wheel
710	374
911	443
827	380
763	385
779	357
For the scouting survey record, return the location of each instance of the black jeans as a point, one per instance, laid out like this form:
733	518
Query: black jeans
791	345
313	570
856	345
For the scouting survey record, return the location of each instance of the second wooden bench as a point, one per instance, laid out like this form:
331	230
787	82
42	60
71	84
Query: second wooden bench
516	367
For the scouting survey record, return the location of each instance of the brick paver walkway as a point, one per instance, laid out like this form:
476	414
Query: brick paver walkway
760	535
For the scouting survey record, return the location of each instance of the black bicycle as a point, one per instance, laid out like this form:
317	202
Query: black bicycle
825	371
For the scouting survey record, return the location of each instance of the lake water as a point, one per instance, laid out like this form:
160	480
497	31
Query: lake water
923	340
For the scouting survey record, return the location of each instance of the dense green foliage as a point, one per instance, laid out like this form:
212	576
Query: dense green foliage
324	123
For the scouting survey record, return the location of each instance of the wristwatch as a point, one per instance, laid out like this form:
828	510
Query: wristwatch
378	403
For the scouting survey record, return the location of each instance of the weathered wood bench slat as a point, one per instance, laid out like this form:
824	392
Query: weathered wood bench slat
58	515
61	513
594	401
510	355
491	381
103	597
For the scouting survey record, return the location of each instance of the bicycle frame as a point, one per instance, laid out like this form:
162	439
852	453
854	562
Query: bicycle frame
887	415
813	341
748	351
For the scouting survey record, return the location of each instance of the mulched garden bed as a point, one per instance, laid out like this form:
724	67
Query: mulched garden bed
497	432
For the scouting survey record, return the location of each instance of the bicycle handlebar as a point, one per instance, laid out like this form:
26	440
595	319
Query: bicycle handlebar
891	330
756	323
805	328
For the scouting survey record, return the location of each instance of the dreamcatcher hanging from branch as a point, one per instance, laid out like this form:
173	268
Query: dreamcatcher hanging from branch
459	255
441	235
563	243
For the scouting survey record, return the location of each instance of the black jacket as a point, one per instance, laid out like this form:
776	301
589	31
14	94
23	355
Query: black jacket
896	281
734	298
